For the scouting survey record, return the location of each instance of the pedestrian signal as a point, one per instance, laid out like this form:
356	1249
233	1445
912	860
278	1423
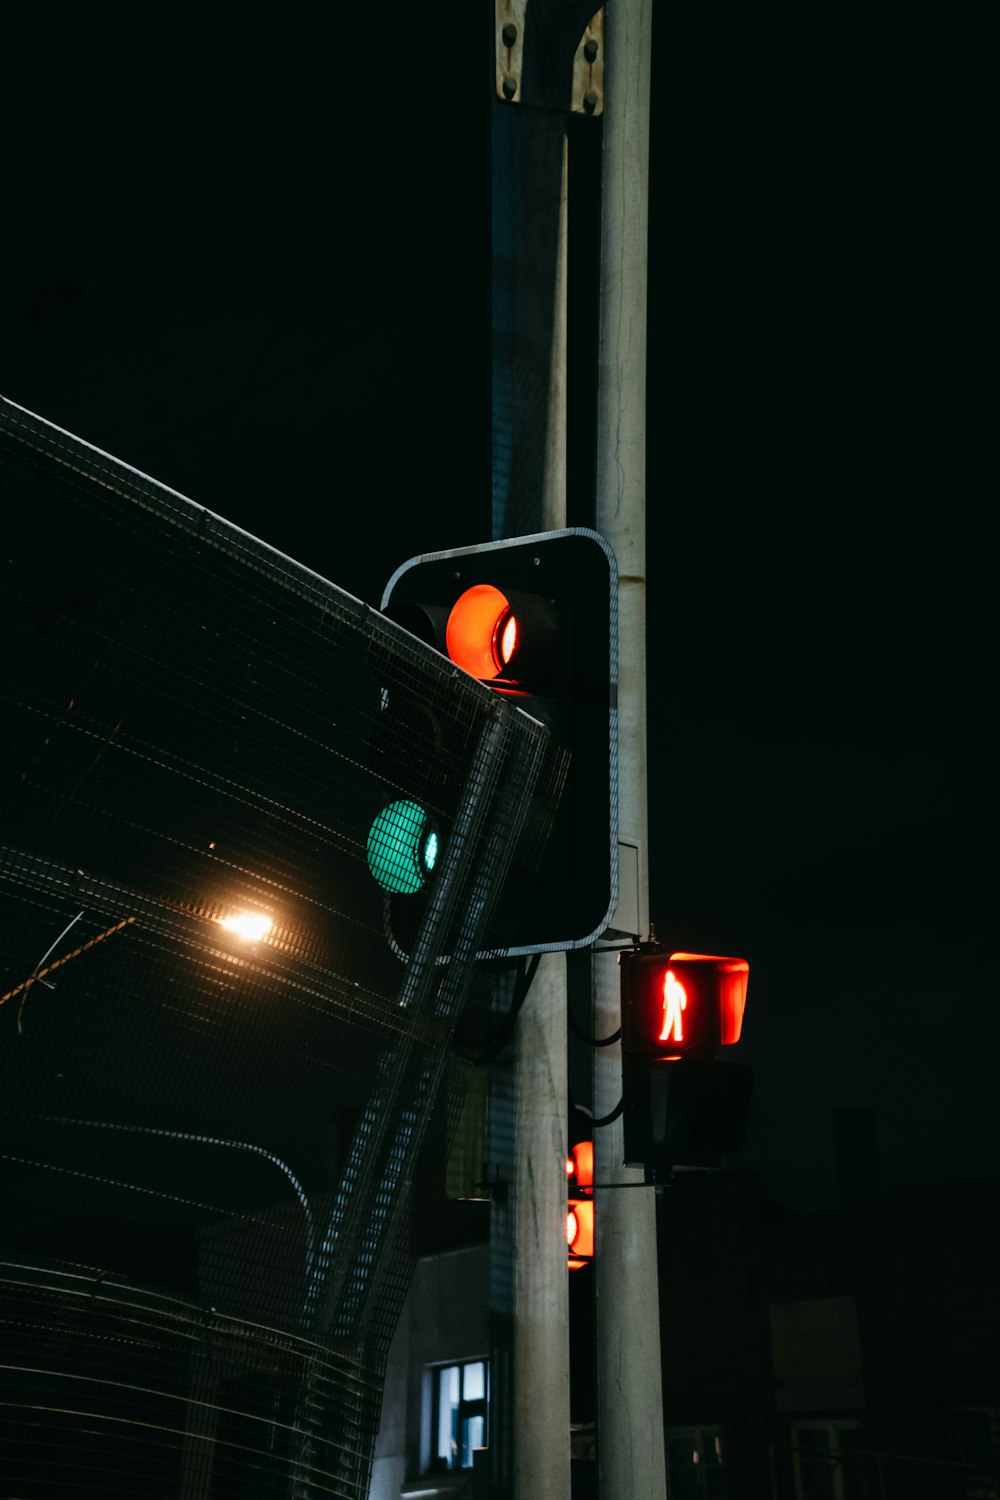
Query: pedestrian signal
682	1107
682	1003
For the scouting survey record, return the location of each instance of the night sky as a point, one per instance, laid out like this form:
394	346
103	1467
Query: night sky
255	265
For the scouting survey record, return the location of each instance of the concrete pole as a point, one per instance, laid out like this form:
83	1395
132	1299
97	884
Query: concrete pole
541	1292
629	1385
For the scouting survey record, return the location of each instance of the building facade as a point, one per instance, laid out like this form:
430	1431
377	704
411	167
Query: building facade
850	1355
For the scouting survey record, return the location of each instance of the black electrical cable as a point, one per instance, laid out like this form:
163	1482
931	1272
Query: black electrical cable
603	1119
593	1041
500	1035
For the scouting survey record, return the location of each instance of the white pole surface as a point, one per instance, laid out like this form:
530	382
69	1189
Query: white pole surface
629	1383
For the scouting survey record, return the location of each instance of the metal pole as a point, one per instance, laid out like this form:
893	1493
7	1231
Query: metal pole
541	1293
630	1440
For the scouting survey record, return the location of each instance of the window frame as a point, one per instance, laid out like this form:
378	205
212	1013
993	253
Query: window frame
832	1427
467	1409
703	1435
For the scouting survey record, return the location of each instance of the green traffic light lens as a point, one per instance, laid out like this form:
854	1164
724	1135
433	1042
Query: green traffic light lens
402	847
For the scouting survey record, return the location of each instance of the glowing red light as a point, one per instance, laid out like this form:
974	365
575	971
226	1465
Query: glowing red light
580	1163
481	633
674	1005
580	1218
508	640
735	974
580	1233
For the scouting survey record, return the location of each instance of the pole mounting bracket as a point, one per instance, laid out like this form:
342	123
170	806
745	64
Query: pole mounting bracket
550	55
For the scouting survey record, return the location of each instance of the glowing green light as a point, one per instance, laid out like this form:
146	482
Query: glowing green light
402	847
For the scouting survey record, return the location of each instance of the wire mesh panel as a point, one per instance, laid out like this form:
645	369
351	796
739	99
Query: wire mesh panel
252	840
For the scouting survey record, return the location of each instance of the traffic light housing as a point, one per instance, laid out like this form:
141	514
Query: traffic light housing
406	816
682	1106
536	619
580	1205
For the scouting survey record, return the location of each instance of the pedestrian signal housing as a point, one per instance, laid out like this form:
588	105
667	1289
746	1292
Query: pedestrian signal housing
682	1106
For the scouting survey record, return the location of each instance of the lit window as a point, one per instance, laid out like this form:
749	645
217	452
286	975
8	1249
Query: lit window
458	1418
827	1461
696	1460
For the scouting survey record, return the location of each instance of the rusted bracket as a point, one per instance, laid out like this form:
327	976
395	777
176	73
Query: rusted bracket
559	70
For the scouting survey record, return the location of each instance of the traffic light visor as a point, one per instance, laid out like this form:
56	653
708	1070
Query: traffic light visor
481	634
732	976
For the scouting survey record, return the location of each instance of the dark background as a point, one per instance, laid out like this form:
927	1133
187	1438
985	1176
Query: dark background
255	264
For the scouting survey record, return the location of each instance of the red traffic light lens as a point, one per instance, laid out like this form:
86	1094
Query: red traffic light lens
481	633
508	639
674	1005
580	1231
580	1163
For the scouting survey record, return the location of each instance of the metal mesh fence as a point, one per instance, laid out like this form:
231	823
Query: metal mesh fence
252	840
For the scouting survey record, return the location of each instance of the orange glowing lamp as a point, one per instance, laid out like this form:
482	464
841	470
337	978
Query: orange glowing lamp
505	637
580	1213
481	633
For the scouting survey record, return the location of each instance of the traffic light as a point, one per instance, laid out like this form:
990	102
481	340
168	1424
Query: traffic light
402	846
580	1210
535	618
682	1106
417	757
404	839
